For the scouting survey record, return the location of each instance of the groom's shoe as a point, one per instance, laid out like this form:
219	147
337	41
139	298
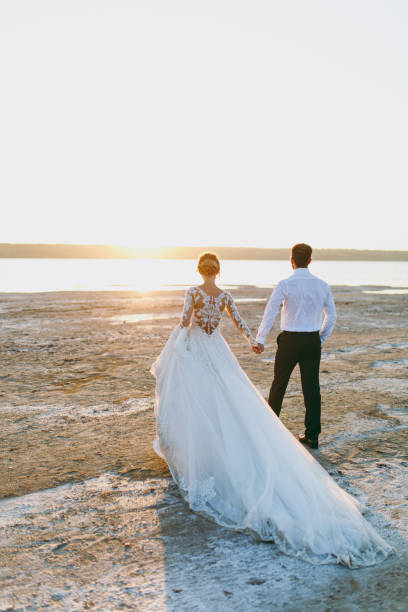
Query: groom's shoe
312	442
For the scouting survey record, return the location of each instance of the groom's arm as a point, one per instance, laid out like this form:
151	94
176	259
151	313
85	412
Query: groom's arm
270	313
330	316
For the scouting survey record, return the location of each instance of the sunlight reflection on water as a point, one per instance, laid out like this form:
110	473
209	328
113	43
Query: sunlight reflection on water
143	275
389	291
138	318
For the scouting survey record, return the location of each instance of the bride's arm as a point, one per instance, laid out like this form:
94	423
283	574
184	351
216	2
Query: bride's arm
238	320
188	308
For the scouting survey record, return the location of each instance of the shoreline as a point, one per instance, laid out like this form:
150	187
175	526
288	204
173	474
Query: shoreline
181	289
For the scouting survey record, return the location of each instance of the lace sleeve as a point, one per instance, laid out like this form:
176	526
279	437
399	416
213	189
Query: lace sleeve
188	308
237	319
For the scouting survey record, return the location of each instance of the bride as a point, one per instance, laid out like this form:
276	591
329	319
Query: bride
231	456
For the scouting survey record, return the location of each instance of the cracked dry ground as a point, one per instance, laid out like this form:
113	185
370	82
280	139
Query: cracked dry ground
90	518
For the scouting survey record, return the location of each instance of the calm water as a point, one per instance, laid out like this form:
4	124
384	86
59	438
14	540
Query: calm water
37	275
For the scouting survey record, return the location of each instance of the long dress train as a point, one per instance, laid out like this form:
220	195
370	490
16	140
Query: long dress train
235	461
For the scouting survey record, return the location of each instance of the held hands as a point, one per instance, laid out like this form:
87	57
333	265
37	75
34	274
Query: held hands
258	348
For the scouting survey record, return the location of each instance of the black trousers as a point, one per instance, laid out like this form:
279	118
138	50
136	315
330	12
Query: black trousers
303	348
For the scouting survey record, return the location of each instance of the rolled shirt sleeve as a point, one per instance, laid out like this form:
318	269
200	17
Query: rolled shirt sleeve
271	310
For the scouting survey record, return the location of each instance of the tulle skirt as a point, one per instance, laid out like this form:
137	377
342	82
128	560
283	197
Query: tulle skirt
234	460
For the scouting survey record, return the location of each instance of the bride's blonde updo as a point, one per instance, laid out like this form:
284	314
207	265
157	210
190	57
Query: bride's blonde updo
208	264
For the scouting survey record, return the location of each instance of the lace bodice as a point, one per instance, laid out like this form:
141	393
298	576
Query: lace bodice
206	311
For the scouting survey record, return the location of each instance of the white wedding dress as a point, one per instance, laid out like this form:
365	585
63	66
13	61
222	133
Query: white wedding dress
235	461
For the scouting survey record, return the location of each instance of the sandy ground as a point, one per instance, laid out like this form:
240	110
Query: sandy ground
90	519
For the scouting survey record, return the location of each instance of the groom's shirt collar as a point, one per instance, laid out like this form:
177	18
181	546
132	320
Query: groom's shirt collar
302	272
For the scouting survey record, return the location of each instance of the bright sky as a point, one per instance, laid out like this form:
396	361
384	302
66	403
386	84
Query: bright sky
168	122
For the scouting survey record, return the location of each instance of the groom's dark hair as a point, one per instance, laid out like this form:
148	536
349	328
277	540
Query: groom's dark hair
301	254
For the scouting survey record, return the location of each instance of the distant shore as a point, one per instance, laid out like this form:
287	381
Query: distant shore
88	251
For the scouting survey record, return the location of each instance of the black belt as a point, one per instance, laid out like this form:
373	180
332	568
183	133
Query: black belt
299	332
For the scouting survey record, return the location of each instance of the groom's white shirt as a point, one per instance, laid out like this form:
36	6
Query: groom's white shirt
306	299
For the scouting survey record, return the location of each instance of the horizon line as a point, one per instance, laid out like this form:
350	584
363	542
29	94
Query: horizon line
184	246
91	251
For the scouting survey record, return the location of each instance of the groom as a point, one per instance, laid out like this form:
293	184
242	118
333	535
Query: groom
305	299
